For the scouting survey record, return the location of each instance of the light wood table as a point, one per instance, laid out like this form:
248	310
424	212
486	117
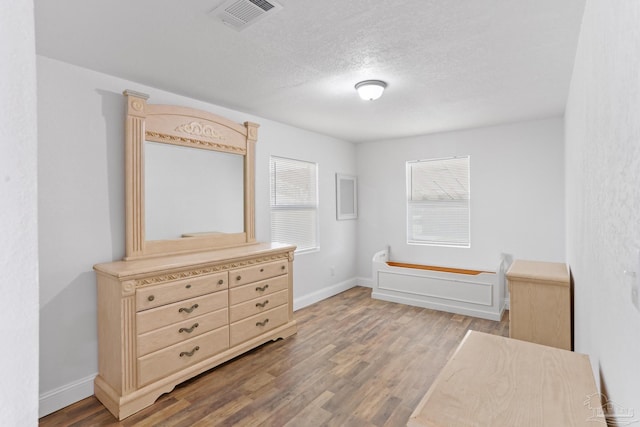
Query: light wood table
497	381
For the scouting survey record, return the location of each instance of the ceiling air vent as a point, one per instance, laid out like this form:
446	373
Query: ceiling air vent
240	14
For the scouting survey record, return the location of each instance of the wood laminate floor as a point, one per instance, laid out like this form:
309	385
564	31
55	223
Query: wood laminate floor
355	361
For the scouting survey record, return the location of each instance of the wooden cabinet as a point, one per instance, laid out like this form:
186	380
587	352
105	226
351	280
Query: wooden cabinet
497	381
540	303
164	320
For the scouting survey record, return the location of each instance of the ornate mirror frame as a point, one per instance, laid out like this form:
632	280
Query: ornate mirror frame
185	127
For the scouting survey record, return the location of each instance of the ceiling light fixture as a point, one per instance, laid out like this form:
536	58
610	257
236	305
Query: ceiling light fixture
370	90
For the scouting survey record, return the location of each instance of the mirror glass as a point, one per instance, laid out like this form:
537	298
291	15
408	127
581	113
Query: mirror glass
191	191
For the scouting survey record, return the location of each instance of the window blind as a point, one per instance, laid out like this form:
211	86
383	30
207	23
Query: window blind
294	203
438	202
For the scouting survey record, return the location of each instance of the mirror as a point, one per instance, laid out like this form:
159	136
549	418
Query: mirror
189	180
180	200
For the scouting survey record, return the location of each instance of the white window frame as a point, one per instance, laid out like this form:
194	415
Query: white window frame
454	196
275	207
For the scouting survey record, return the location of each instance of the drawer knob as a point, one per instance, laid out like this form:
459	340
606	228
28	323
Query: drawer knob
188	286
283	267
262	288
238	277
188	310
189	353
151	298
261	270
220	282
262	323
262	304
188	330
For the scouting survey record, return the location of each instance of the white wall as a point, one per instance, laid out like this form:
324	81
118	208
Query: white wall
18	217
81	211
517	195
603	195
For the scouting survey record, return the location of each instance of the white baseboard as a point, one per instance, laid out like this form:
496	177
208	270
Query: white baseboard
417	302
323	293
365	281
65	395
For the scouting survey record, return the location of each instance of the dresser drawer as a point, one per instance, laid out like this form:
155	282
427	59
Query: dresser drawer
258	324
172	359
257	305
258	289
155	296
181	331
258	272
149	320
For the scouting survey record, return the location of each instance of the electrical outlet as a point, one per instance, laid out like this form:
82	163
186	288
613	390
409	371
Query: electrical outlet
333	271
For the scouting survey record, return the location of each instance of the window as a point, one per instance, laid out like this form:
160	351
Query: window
294	203
438	202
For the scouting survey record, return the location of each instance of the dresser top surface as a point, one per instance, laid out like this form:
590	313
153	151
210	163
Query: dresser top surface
123	269
498	381
555	272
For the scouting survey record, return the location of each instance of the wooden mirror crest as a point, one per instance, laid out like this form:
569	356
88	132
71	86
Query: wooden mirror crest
192	128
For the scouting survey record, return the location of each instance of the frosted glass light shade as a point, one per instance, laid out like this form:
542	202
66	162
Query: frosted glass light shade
370	90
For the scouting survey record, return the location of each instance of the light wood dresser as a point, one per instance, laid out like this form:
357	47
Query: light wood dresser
540	303
497	381
164	320
184	300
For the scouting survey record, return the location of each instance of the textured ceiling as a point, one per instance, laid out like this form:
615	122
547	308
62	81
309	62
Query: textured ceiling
449	64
